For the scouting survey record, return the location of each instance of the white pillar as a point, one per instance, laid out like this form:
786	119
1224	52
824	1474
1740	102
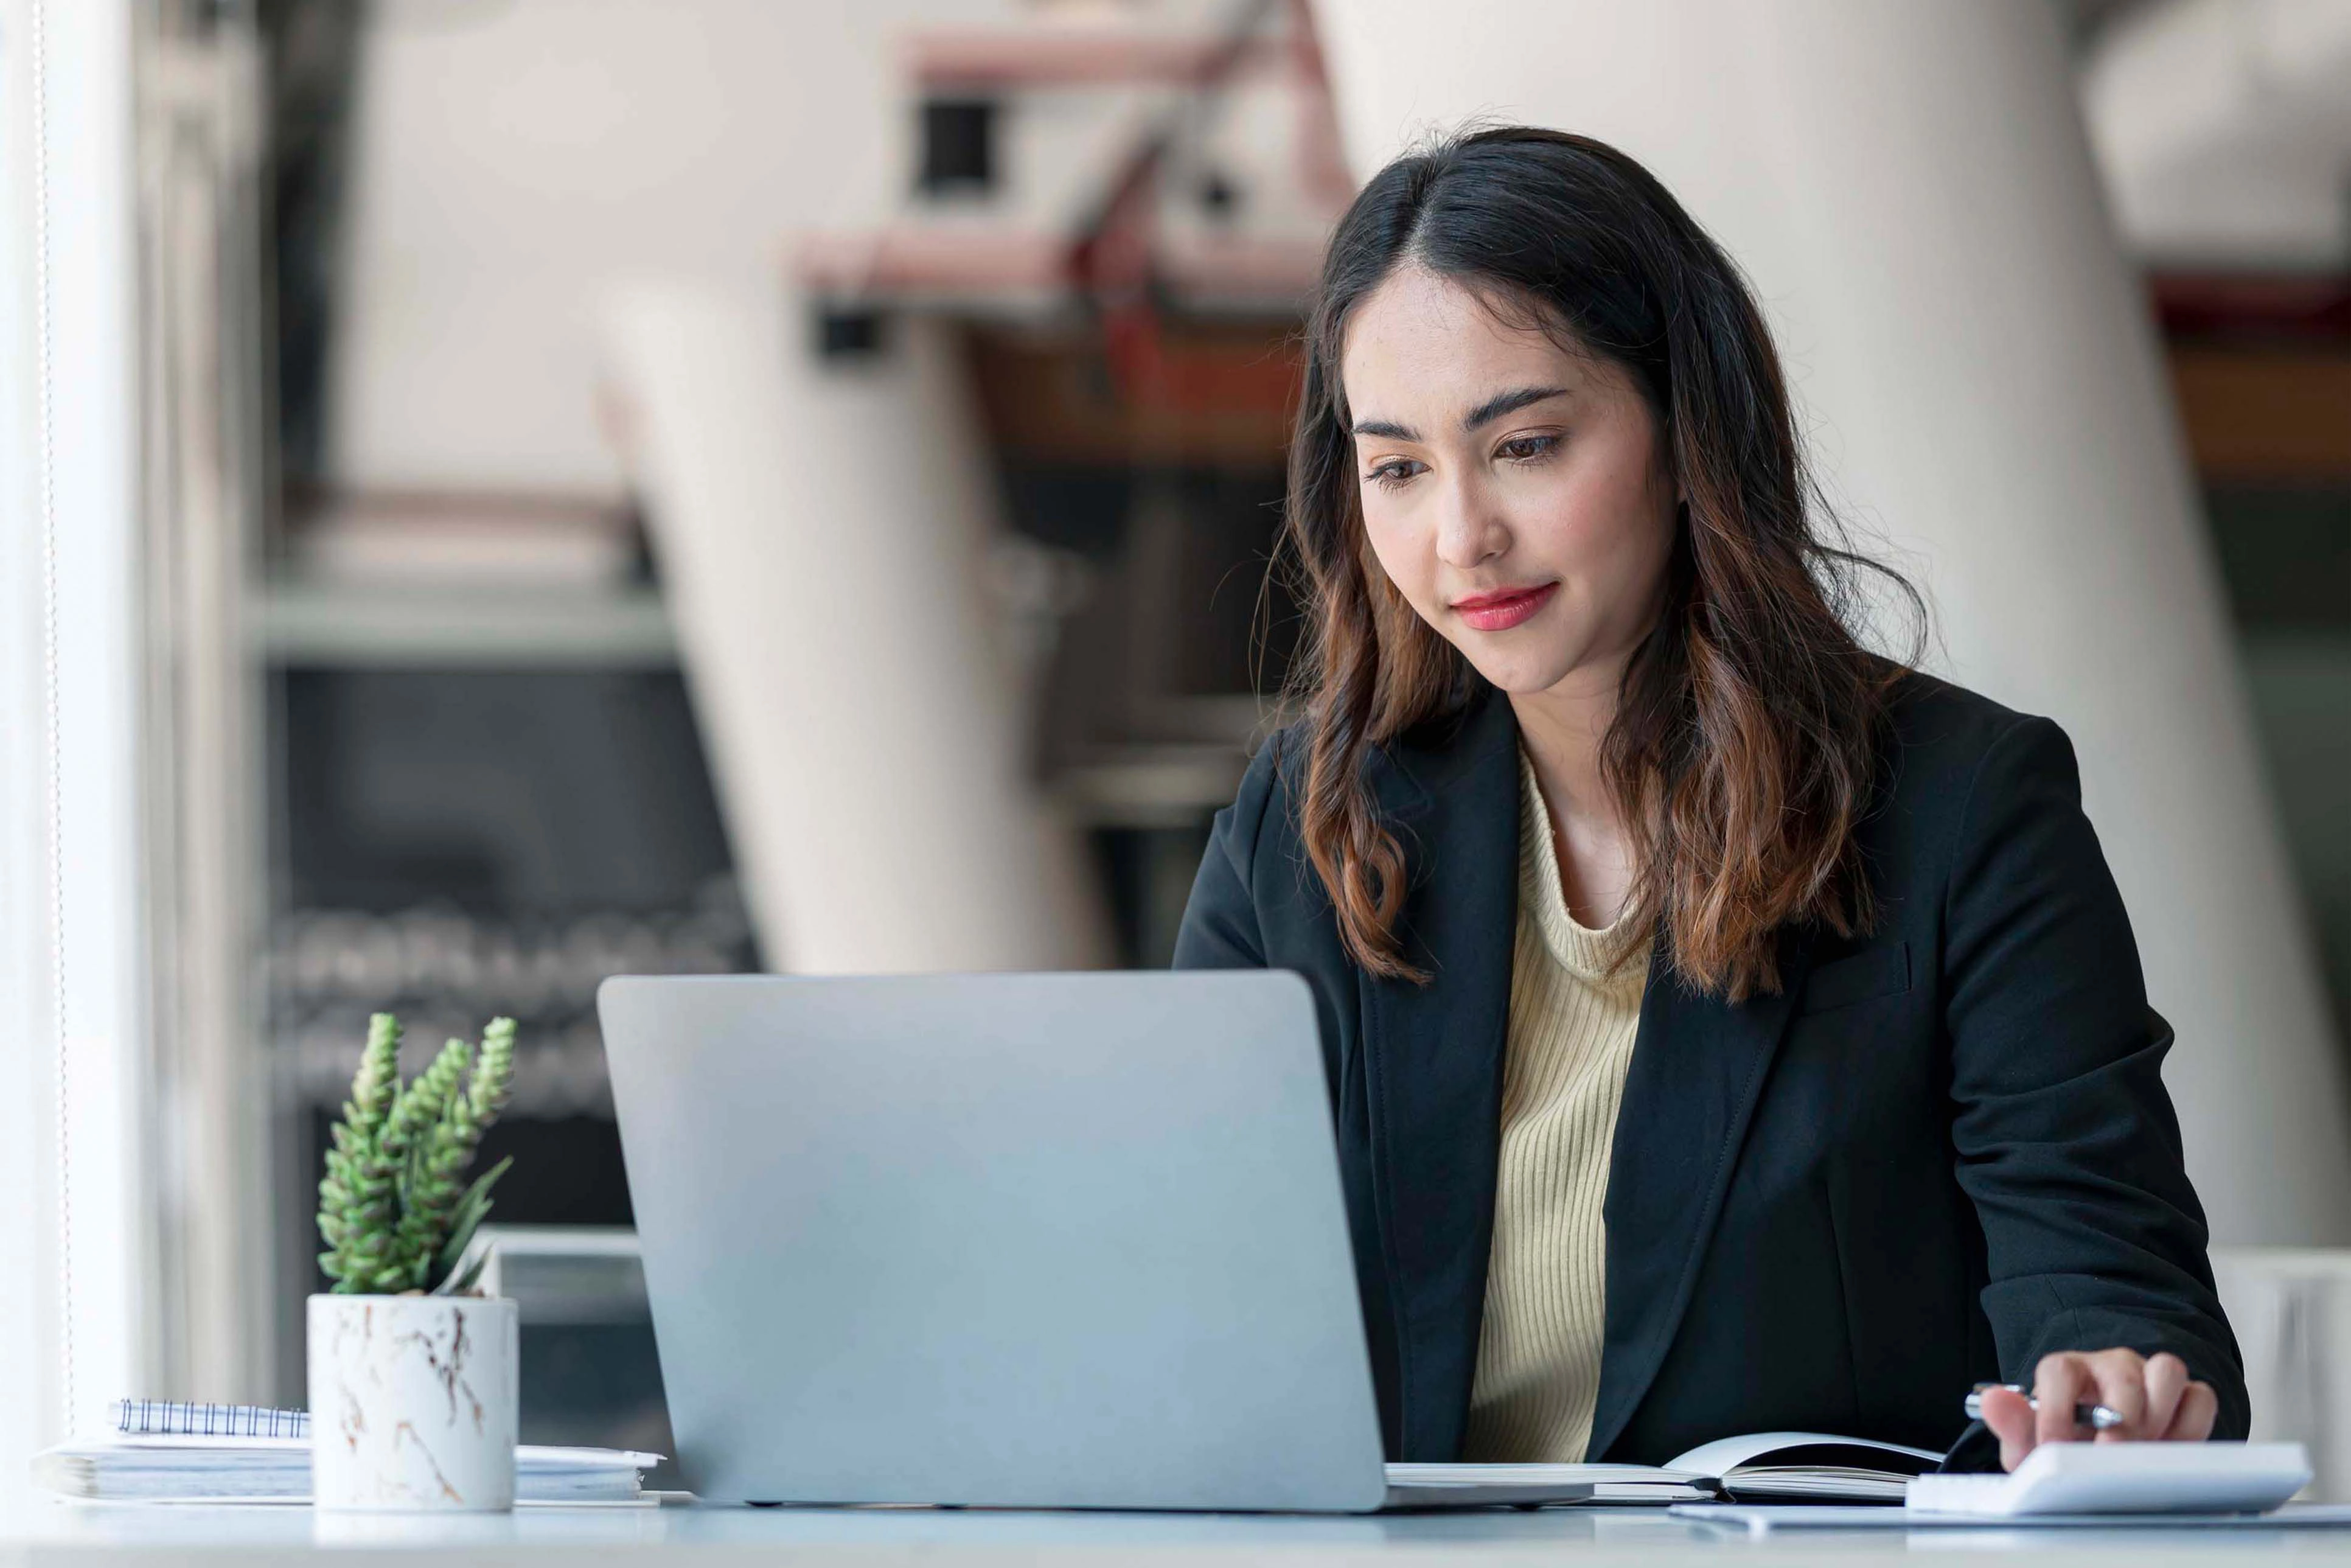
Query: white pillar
199	156
819	529
1910	189
31	1402
74	1312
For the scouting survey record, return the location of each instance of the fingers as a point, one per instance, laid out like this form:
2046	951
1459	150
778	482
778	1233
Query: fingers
2167	1381
2155	1396
2120	1379
2009	1416
2199	1408
2058	1385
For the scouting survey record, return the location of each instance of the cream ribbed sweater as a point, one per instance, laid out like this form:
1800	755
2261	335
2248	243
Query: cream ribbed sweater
1571	1039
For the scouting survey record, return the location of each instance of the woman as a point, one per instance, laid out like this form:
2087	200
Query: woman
1728	1029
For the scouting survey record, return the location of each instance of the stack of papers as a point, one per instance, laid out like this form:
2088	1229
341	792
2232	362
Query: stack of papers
1809	1482
1418	1484
159	1467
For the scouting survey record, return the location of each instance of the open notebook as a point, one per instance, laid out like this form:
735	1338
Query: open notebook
1809	1467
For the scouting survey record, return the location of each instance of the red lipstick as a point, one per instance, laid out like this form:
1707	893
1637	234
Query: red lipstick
1500	612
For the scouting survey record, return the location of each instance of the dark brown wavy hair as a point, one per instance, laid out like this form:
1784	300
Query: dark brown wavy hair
1745	741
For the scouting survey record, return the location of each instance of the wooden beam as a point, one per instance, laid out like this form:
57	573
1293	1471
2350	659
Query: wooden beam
2280	415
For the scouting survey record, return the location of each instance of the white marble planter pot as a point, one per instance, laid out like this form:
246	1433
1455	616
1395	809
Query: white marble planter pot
413	1403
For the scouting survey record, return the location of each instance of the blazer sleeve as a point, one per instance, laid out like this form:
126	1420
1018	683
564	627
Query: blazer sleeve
2066	1138
1221	929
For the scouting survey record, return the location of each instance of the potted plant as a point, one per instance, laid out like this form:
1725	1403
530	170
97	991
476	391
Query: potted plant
412	1373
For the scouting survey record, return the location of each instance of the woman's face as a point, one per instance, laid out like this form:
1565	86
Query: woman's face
1514	491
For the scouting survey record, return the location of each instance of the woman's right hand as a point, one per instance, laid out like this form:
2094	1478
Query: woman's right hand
2157	1399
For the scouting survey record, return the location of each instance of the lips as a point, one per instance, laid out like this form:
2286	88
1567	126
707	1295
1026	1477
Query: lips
1500	612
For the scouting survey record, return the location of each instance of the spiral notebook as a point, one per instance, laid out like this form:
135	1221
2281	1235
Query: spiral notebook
175	1417
171	1451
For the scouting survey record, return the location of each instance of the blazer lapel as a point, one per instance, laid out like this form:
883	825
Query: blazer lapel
1698	1067
1432	1058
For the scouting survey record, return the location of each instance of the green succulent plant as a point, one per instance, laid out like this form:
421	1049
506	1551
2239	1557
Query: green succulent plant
394	1208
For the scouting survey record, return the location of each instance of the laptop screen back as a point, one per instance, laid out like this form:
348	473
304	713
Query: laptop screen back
1051	1241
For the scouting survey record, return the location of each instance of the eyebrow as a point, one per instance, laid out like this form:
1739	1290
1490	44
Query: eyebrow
1495	407
1485	413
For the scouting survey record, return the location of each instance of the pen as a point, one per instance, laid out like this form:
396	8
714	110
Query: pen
2097	1417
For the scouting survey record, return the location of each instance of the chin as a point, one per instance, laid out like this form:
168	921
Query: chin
1521	676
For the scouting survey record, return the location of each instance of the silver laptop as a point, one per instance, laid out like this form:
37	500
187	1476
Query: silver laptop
1015	1240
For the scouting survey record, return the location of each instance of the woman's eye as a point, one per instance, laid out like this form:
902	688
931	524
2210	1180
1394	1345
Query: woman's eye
1393	472
1526	448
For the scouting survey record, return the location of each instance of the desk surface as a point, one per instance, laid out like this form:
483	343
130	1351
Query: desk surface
88	1535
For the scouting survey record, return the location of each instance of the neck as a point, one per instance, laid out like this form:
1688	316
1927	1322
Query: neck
1561	730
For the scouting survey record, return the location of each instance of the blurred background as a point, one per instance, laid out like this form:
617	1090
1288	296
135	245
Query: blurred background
584	487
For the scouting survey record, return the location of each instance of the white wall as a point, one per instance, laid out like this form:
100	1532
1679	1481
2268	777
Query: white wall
2224	128
75	951
514	161
1910	188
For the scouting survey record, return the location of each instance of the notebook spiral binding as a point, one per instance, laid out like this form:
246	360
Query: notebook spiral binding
173	1418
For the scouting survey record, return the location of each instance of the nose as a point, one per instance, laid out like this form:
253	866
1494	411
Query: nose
1470	531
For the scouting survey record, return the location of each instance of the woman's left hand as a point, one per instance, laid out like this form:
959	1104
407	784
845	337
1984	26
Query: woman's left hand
2154	1395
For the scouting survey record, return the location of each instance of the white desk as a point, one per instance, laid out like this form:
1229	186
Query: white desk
86	1536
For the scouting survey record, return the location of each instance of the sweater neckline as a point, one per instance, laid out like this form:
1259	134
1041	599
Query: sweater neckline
1586	951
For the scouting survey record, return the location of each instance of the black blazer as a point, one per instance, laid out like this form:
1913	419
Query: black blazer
1940	1151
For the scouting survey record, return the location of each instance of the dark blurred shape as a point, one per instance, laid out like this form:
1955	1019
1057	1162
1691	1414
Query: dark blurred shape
2286	555
458	845
849	332
313	49
1150	872
2087	21
1219	197
958	149
559	792
2283	307
596	1385
2261	364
